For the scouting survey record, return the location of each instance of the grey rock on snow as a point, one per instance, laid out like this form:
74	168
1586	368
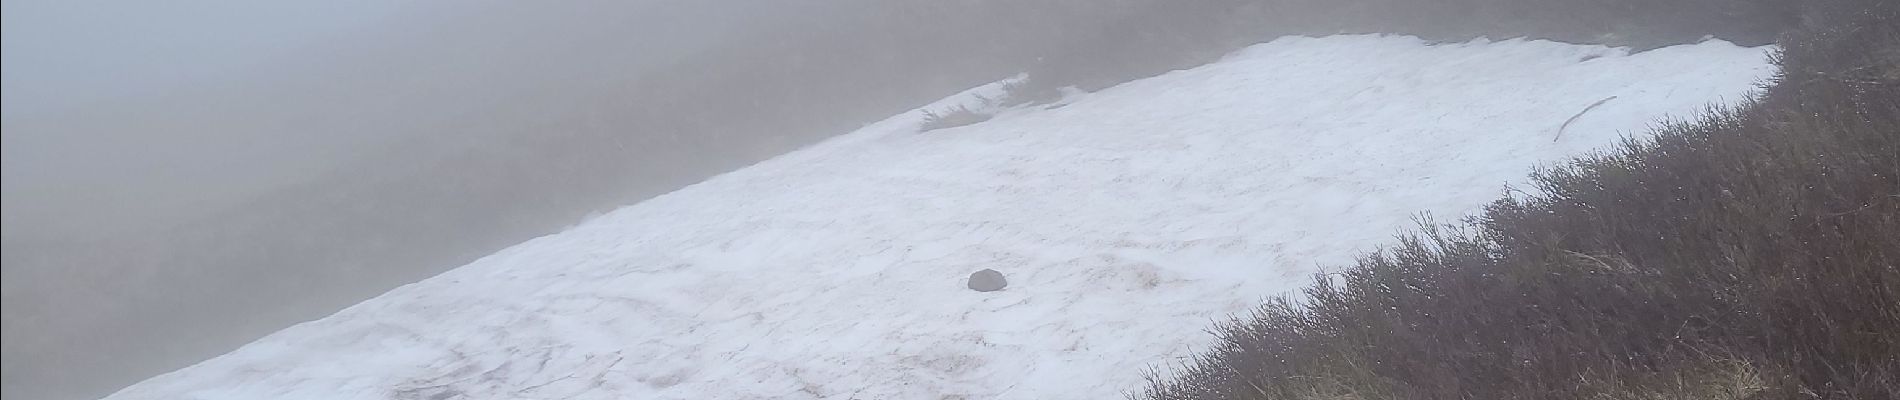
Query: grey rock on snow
987	280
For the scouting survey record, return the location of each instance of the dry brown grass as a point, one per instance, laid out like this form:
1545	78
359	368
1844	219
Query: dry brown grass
1748	255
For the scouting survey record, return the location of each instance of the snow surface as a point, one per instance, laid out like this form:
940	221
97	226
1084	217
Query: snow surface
1126	220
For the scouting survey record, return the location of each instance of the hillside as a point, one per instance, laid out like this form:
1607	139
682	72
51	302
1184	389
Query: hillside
1120	217
1748	253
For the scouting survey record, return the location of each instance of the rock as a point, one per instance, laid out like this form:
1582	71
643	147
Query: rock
987	280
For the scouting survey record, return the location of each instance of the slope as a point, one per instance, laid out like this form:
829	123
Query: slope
1119	217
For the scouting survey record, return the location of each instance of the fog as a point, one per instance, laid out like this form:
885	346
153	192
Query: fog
186	103
183	177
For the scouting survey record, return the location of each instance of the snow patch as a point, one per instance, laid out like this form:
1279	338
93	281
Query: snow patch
1128	220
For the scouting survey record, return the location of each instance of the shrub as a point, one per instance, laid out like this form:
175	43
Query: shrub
1028	92
1751	255
951	118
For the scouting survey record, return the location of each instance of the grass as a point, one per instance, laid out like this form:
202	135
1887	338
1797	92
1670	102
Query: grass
1753	254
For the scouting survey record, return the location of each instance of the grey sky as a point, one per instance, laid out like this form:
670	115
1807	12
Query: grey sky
80	75
65	53
120	112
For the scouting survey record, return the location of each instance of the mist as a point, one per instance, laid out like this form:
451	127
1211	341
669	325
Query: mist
182	178
188	103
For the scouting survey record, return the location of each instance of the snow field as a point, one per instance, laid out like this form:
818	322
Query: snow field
1126	220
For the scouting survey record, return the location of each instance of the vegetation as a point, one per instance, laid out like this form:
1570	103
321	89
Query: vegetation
951	118
1754	254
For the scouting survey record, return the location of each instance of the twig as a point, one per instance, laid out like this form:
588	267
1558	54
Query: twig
1573	118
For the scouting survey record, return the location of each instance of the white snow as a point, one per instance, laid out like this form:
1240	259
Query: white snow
1126	220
